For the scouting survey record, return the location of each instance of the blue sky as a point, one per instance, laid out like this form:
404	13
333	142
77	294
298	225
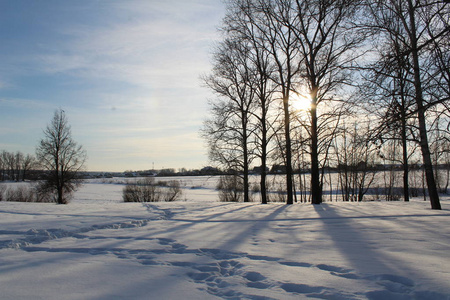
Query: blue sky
125	72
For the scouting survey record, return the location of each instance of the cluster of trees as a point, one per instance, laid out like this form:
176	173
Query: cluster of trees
15	166
375	75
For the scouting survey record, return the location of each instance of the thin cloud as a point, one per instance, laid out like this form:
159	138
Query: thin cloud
127	76
153	50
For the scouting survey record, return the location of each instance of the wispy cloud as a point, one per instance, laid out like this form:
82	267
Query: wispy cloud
161	46
127	73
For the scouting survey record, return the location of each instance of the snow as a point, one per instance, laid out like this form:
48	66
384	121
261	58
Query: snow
97	247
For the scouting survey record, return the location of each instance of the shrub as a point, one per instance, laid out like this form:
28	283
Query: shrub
231	188
28	193
2	191
172	191
19	194
255	188
146	190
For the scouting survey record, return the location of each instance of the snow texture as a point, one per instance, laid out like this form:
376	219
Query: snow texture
99	248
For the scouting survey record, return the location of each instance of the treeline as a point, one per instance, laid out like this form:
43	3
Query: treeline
16	166
375	76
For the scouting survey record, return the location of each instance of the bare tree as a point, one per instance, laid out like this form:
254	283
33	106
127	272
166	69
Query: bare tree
18	161
385	92
229	130
9	160
274	22
61	157
327	43
261	70
355	162
419	26
28	163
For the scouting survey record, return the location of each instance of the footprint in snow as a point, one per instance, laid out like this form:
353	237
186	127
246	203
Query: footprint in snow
338	271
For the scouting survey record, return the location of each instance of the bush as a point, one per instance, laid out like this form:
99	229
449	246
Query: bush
29	193
172	191
2	191
231	188
19	194
146	190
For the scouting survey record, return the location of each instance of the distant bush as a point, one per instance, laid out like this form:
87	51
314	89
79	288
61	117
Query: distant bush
231	188
20	194
23	193
2	191
277	191
256	188
141	191
146	190
172	191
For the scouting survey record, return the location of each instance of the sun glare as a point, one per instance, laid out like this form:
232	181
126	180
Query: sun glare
300	102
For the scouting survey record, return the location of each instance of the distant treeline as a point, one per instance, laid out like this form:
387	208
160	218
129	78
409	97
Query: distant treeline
17	166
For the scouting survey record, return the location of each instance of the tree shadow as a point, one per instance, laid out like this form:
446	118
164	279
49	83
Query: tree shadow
350	241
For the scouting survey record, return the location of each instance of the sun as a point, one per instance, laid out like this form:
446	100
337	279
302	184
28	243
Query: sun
300	102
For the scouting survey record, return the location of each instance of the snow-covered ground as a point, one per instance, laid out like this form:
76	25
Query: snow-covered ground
97	247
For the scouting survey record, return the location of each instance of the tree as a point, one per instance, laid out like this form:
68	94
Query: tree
387	91
282	45
327	43
355	158
28	163
261	69
423	31
18	161
229	129
61	157
272	21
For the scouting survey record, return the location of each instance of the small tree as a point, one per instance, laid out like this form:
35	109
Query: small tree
61	157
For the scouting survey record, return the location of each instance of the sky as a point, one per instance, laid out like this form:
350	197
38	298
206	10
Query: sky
126	73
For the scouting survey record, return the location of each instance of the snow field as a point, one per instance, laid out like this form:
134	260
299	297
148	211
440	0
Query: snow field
99	248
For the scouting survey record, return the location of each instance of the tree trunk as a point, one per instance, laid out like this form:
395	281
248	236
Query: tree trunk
428	165
245	162
405	161
60	196
263	185
290	199
405	150
316	191
263	172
